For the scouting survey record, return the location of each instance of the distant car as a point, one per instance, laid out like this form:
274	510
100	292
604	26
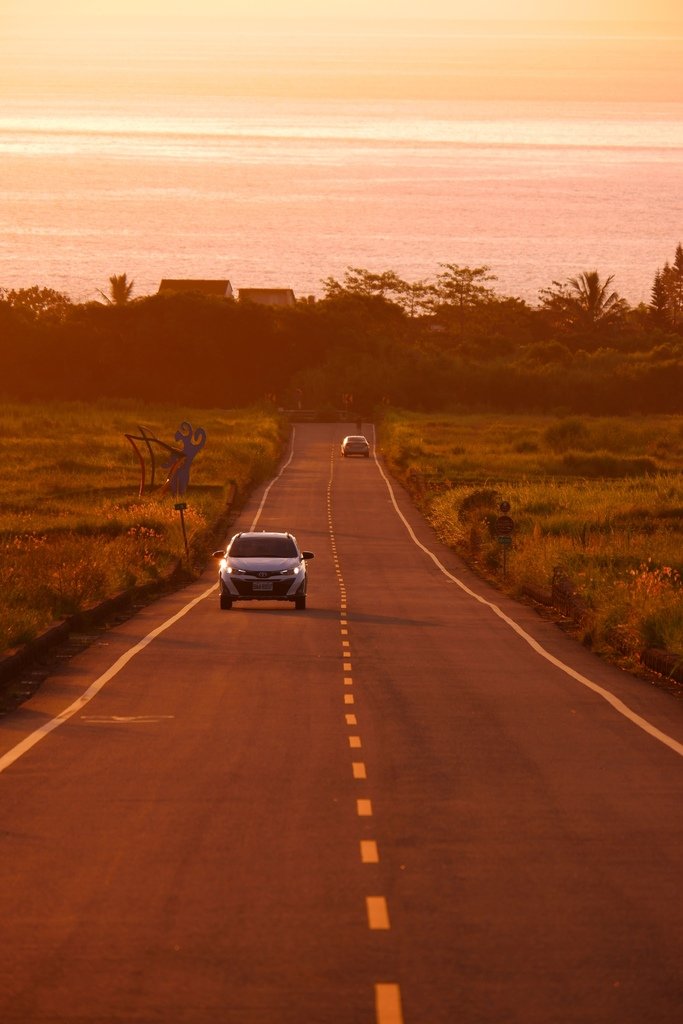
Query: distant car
260	566
355	444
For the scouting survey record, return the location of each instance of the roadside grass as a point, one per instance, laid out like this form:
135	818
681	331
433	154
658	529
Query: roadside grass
598	502
73	528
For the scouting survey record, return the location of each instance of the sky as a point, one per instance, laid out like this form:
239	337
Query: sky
34	13
382	49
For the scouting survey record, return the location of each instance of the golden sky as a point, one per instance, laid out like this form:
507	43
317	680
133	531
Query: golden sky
34	12
516	49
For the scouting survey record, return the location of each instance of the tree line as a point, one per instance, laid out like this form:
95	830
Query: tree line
372	339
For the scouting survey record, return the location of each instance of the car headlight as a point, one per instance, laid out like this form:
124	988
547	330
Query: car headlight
290	572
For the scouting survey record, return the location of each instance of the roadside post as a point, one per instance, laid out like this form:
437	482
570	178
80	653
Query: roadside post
180	506
505	527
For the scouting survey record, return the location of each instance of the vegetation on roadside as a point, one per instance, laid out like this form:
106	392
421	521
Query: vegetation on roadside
597	502
73	528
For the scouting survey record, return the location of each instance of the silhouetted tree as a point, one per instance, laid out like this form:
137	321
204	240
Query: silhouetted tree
417	298
36	302
659	301
358	281
667	292
462	289
120	290
584	304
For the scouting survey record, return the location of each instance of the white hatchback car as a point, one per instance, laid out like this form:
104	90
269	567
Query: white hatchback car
260	566
355	444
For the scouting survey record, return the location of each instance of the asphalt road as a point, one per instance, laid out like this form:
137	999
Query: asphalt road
415	802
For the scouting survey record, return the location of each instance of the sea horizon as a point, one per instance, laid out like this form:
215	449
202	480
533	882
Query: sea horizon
283	168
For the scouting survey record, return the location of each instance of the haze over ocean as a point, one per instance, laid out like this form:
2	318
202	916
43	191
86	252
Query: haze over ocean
281	159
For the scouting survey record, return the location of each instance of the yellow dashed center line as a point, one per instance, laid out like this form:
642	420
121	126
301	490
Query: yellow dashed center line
388	1009
369	854
378	913
388	1004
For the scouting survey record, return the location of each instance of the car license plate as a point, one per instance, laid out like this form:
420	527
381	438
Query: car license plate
263	586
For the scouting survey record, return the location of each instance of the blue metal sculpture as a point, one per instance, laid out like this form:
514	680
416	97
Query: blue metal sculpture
178	463
192	444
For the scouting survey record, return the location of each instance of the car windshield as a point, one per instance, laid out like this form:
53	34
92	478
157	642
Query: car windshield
263	547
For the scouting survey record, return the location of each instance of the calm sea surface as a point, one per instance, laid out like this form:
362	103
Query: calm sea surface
285	192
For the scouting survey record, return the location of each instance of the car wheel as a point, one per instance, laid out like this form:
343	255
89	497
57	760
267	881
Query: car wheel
300	602
225	601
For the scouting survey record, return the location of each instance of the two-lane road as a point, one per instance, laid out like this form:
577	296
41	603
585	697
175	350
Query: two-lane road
413	802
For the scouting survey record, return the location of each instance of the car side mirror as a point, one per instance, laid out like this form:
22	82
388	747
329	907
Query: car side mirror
218	554
306	555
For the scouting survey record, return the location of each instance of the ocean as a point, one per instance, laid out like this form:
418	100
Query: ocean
202	172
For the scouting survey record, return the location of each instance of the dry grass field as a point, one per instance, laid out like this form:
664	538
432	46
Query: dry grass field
73	528
597	502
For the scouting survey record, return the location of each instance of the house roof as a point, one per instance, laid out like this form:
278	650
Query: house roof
223	289
268	296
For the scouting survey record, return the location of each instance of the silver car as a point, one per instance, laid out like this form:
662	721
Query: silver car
355	444
261	566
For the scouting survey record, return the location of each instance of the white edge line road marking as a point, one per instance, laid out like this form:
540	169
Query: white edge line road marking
272	482
617	704
22	748
125	719
30	741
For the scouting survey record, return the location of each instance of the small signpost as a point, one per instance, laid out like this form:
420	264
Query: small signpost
505	526
180	506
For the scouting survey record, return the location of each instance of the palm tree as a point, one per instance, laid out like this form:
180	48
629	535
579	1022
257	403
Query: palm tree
584	303
120	290
594	304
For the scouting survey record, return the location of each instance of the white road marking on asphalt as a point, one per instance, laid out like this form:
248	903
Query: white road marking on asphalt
273	482
388	1004
351	719
358	769
35	737
369	854
349	698
347	664
348	681
364	808
354	741
124	719
378	913
610	698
